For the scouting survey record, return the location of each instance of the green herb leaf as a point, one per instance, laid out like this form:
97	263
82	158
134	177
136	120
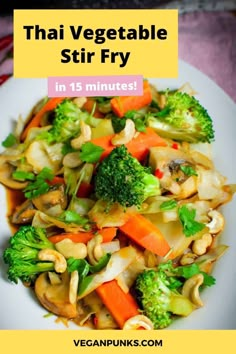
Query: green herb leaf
187	271
190	270
101	263
118	124
139	125
168	205
84	268
67	148
137	118
90	152
23	176
209	280
81	265
9	141
39	185
154	104
187	219
71	217
188	170
84	284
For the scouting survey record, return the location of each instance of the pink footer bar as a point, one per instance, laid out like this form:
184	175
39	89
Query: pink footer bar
90	86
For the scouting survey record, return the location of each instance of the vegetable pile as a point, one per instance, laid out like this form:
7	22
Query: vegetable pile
118	222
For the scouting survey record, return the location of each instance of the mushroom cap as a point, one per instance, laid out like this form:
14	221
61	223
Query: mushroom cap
55	298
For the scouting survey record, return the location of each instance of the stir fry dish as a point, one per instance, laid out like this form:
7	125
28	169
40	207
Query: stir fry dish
116	221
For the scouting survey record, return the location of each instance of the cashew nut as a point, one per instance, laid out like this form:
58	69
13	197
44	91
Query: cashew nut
125	135
73	286
187	258
72	160
69	249
85	135
95	251
191	289
80	101
55	257
138	321
200	246
217	222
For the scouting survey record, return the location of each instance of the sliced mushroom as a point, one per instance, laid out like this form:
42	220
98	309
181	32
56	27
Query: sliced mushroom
55	196
24	213
56	298
169	162
6	170
72	160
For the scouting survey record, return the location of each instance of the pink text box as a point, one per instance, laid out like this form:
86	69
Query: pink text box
90	86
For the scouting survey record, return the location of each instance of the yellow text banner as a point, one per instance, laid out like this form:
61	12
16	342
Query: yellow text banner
130	342
95	42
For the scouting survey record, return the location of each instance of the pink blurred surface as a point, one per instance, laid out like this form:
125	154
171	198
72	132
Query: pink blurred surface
207	40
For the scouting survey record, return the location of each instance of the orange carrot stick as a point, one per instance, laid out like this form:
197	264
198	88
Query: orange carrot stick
122	306
36	119
138	146
107	233
121	105
146	234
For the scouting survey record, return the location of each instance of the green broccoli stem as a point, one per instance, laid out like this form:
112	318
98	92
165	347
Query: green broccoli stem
27	271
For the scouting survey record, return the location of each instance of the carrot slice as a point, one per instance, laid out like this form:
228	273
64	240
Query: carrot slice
107	233
121	305
146	234
50	105
121	105
138	146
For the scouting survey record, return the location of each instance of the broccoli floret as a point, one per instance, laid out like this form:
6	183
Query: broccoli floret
159	298
66	124
183	118
121	178
22	254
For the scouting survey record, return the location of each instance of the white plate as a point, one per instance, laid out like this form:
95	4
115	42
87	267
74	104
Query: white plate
18	307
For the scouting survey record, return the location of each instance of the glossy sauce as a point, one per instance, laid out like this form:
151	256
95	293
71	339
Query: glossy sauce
14	198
